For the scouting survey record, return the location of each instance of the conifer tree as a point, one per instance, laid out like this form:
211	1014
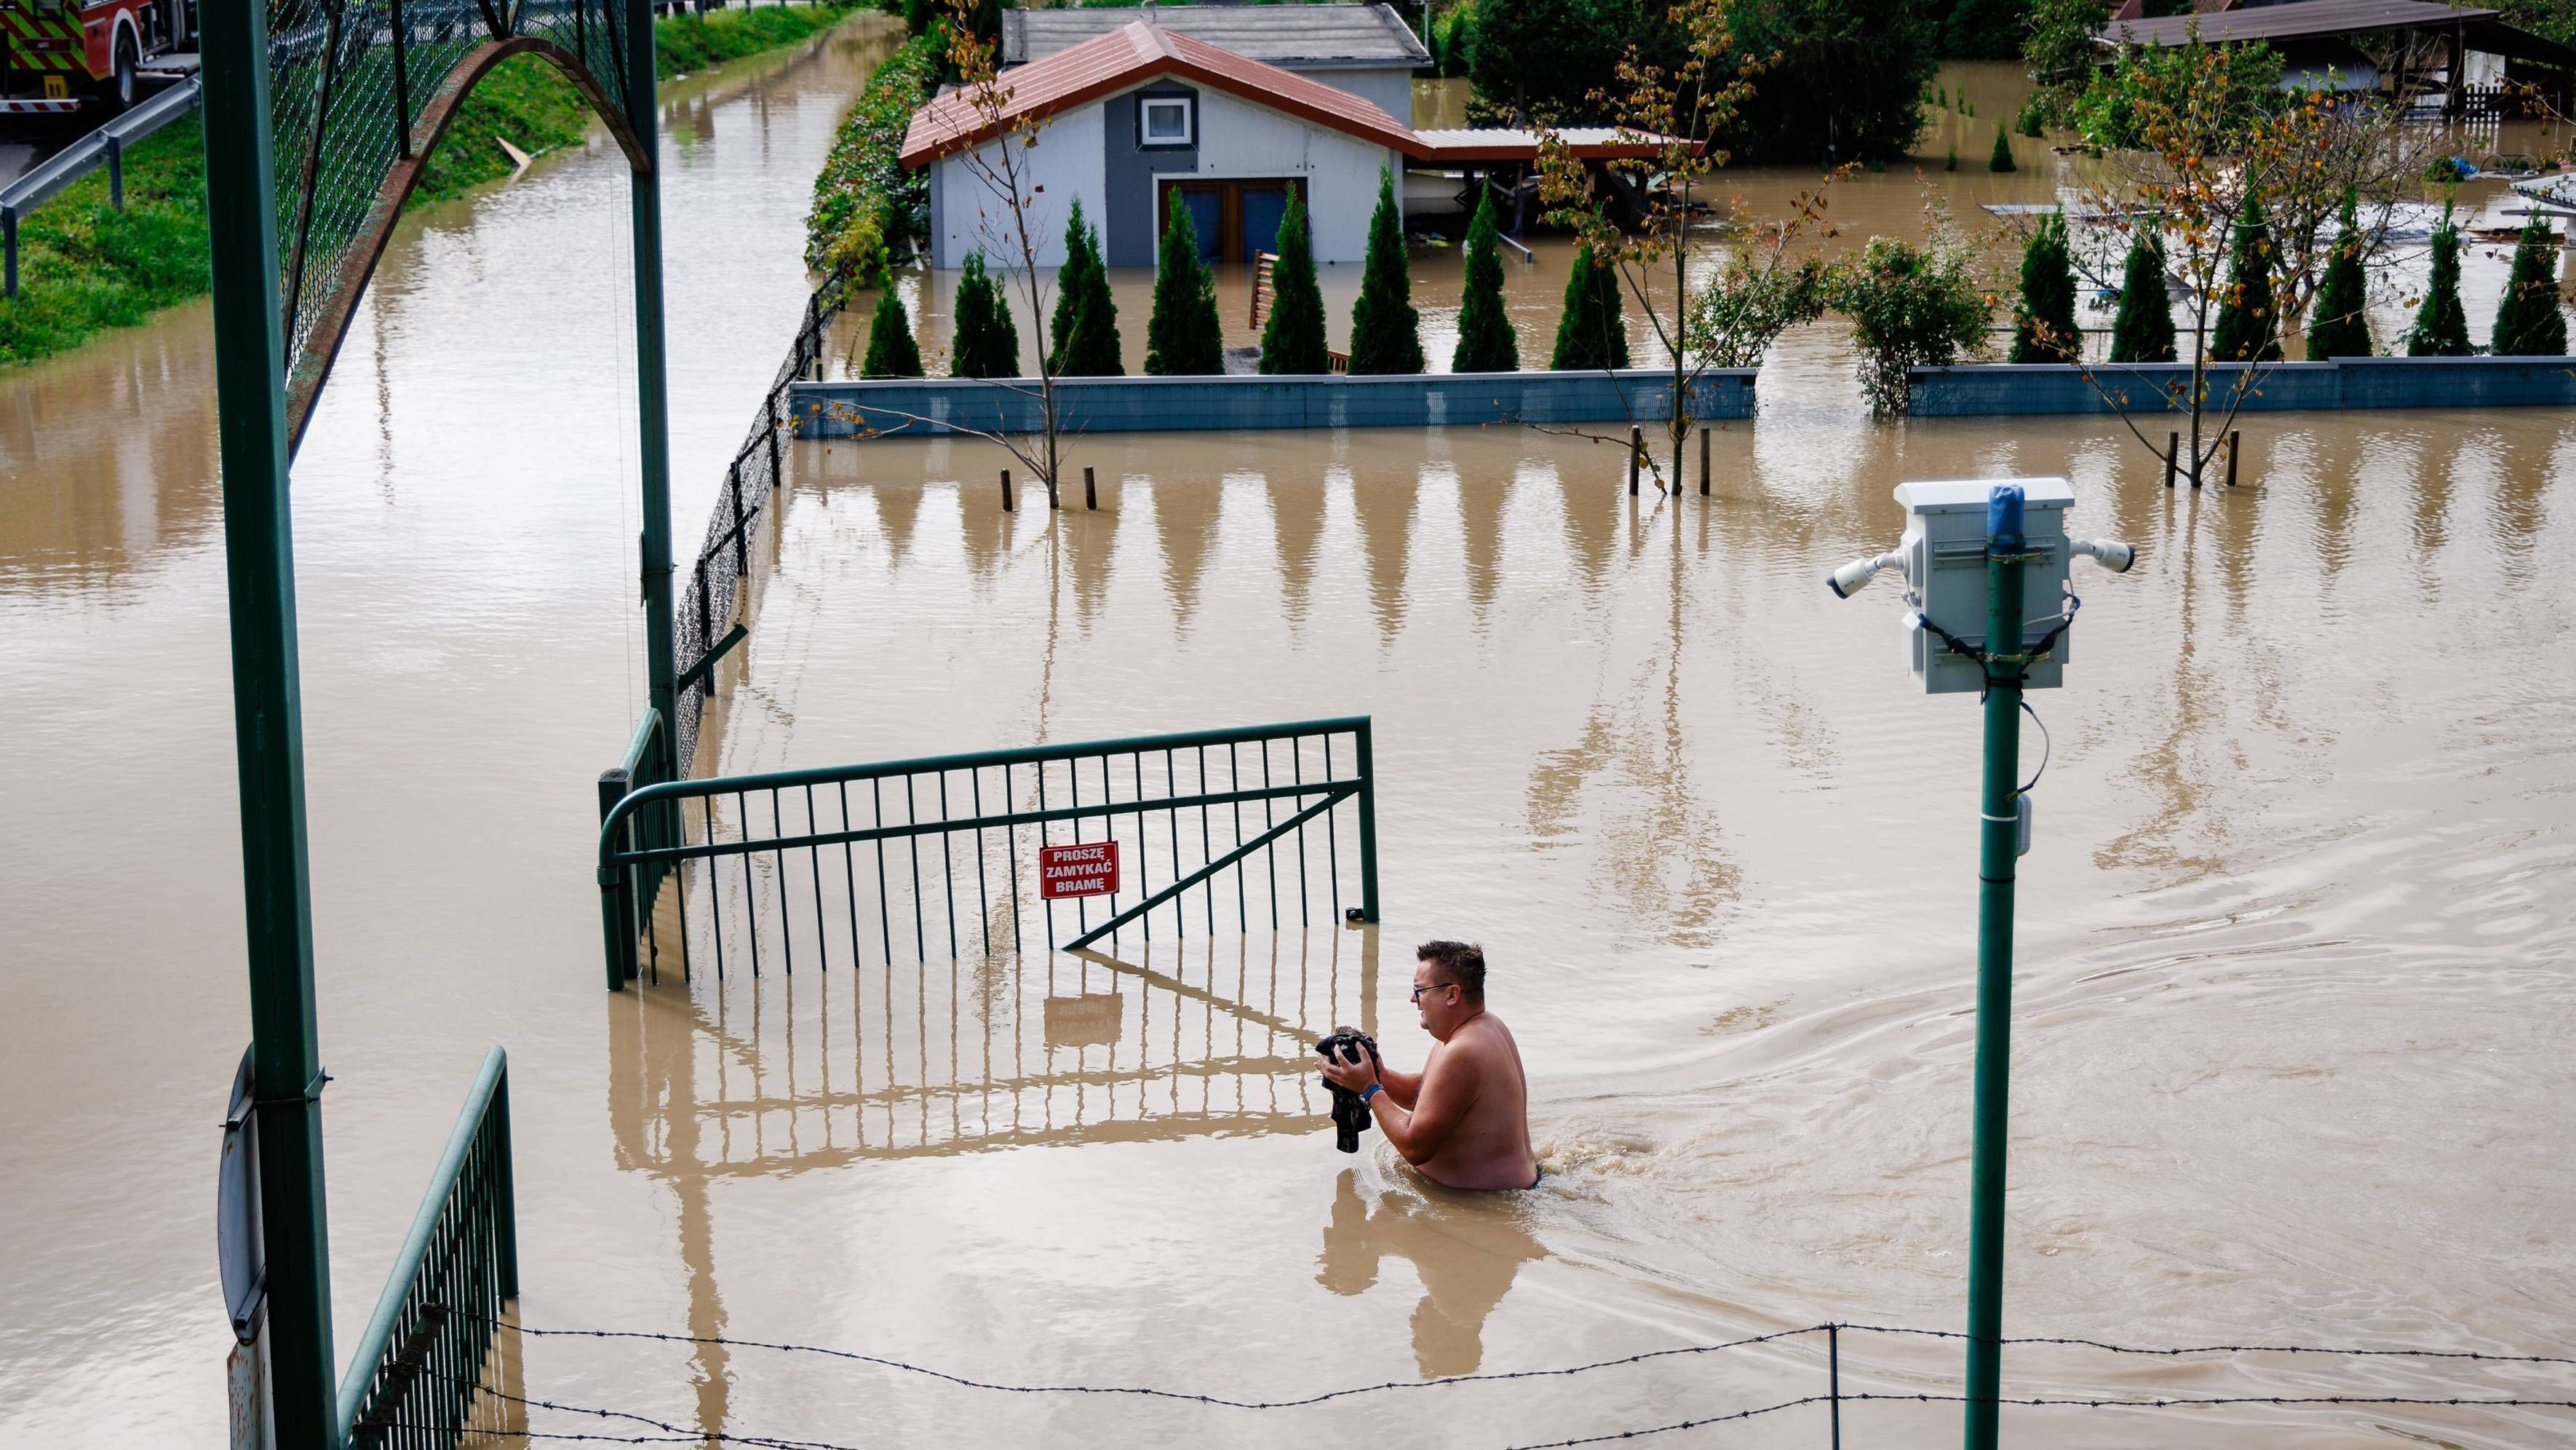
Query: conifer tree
1182	336
2339	319
2144	331
1593	331
891	351
1086	315
1486	342
988	341
2044	321
2441	324
2528	322
1386	333
1069	289
1292	340
2249	323
2002	159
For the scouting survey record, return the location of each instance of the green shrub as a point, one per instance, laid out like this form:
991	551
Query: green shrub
1182	335
1909	307
892	352
1486	342
864	181
2144	331
2044	322
2002	158
1592	332
1292	340
2249	321
1386	332
2441	324
2528	322
988	341
84	266
2339	318
1085	326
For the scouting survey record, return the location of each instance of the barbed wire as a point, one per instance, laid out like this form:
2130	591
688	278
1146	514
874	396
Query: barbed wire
2474	1354
654	1431
1163	1394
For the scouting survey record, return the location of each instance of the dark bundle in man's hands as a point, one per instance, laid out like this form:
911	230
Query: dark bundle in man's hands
1350	1115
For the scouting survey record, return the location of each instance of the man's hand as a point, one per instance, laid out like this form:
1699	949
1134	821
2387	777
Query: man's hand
1356	1076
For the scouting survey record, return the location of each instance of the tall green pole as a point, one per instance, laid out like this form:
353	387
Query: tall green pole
1998	849
652	393
268	730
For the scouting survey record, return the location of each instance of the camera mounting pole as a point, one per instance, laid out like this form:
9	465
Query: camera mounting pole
1999	812
2023	534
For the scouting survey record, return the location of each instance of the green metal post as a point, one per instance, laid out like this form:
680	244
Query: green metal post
652	392
1368	821
1998	832
616	891
268	732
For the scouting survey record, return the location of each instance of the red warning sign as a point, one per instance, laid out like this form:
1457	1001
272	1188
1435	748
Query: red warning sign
1089	868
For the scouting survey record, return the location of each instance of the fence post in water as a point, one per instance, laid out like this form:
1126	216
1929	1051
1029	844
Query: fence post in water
2173	450
1090	490
1368	821
1834	1378
616	889
2234	437
1703	461
1006	490
1636	450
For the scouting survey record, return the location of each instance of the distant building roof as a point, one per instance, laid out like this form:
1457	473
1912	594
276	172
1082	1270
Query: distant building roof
2317	19
1303	37
1127	56
1505	144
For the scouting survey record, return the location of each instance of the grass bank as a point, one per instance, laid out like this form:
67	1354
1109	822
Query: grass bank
85	267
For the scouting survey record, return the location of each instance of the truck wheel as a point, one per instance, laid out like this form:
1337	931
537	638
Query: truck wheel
123	83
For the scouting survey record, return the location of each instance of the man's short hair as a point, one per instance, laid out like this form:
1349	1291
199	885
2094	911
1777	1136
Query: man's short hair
1459	962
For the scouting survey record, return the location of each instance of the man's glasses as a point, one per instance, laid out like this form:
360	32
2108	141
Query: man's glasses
1434	987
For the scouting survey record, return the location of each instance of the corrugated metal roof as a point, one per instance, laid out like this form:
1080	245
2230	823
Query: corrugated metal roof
1129	56
2294	21
1507	144
1293	35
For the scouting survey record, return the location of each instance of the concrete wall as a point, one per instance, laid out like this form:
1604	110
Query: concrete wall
925	407
967	217
2003	389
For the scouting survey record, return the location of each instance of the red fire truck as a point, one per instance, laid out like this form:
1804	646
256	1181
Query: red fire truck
56	55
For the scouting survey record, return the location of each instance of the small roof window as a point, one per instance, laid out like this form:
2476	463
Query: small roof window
1166	121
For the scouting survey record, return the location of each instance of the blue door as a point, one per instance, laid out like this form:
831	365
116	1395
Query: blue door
1263	206
1207	217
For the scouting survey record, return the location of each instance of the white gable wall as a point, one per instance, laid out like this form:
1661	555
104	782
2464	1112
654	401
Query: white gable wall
966	216
1240	139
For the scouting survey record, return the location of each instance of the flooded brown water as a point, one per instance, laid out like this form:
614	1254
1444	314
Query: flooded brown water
2292	1060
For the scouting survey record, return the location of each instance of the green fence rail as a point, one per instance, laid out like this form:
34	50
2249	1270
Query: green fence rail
1215	830
412	1383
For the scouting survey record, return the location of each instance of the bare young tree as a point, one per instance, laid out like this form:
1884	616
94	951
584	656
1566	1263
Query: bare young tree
1665	113
1012	224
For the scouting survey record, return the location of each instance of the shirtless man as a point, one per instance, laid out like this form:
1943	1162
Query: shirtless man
1464	1119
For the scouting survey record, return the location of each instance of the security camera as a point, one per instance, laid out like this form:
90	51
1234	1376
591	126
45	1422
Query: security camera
1854	576
2111	554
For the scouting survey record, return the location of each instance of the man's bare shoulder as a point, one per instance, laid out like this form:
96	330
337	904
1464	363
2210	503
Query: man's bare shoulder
1484	1039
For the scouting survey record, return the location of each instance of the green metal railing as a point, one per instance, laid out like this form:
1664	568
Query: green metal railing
1215	830
412	1382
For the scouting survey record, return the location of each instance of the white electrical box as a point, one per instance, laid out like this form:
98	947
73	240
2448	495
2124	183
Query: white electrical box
1945	576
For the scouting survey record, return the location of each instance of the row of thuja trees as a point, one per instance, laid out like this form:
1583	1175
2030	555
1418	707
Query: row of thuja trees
1183	333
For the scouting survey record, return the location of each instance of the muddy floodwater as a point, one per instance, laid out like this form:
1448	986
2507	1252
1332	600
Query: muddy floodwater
2292	1056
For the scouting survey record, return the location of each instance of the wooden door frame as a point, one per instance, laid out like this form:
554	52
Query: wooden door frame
1229	190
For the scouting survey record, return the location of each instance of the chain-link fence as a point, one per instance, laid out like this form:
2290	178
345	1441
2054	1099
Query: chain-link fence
710	607
357	89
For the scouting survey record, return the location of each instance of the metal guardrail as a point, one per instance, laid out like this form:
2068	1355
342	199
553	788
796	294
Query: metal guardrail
1193	810
104	146
413	1380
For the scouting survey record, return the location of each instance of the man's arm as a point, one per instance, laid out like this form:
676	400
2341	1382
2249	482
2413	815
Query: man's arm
1402	1088
1441	1096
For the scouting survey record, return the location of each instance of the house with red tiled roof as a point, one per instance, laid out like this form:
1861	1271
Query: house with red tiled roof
1131	118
